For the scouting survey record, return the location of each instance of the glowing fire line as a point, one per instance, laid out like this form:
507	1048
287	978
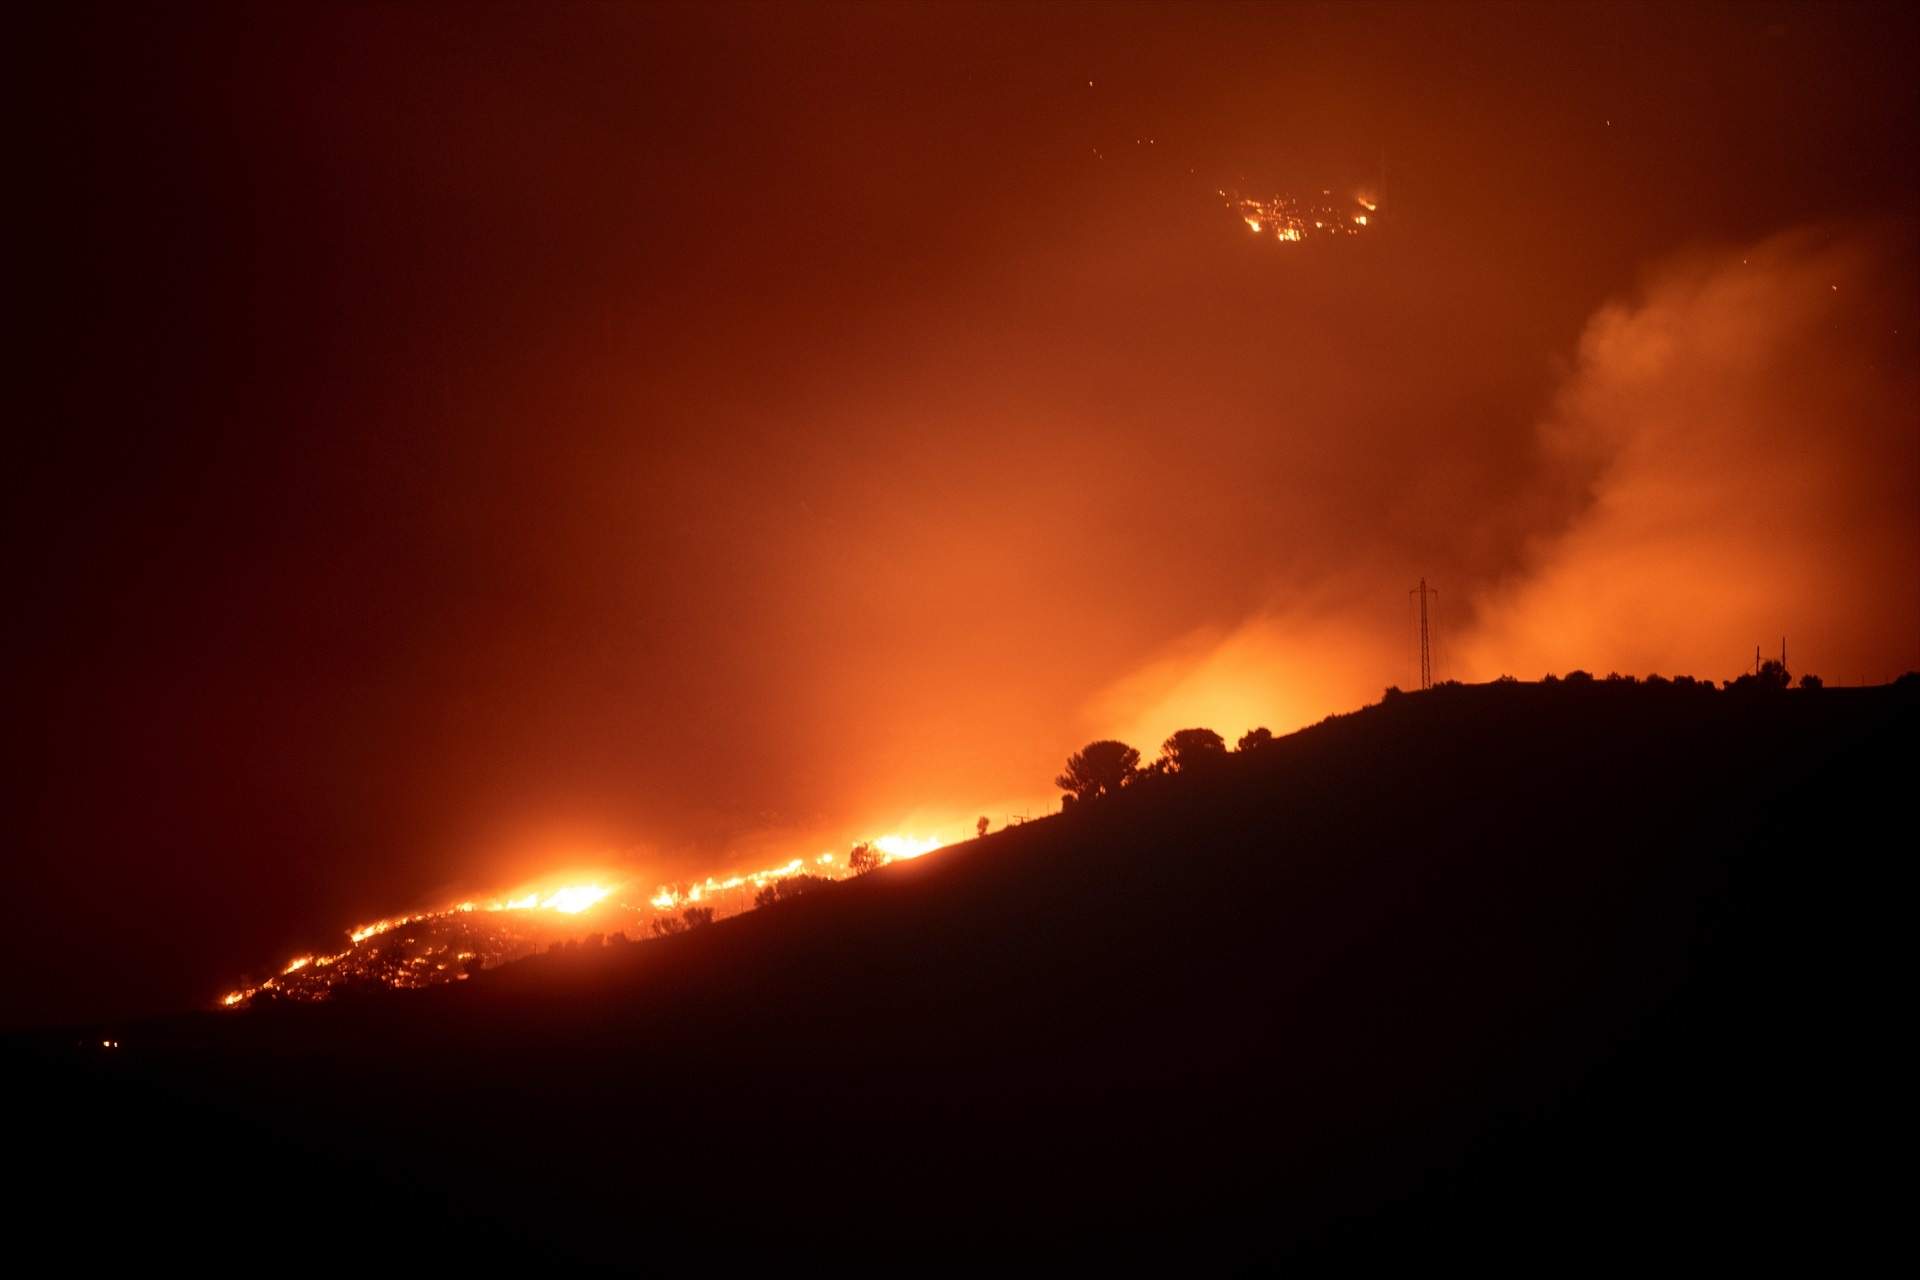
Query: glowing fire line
575	899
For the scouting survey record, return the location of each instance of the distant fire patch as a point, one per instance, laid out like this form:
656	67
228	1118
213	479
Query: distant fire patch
1291	219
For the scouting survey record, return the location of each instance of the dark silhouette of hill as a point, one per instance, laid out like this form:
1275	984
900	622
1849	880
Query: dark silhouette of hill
1536	975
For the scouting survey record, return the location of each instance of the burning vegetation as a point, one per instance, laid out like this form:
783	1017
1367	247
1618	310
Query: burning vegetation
452	943
1290	219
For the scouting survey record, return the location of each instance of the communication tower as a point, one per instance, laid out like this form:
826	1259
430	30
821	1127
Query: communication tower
1426	634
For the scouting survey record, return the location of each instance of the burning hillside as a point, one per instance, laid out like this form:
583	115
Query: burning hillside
451	943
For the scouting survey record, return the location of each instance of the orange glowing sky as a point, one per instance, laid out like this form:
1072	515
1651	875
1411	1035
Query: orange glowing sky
482	445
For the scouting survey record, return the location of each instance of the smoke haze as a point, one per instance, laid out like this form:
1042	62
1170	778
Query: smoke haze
478	444
1744	435
1731	459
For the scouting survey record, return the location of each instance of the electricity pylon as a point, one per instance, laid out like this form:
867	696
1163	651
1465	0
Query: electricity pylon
1426	636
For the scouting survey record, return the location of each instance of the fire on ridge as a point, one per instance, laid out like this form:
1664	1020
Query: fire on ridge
451	943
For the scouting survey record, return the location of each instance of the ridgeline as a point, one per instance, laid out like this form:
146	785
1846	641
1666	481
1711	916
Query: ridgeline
1540	975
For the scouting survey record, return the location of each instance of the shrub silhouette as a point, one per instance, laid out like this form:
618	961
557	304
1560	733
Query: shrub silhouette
1253	739
1812	681
789	887
690	919
1190	749
865	858
1099	769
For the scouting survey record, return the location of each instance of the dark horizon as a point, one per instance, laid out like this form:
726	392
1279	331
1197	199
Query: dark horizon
468	445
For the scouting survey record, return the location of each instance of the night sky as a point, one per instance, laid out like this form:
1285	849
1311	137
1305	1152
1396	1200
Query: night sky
465	442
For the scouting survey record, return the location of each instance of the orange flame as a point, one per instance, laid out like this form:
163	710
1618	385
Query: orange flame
565	900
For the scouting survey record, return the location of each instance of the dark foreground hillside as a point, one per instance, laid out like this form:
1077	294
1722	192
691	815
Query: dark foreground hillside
1517	974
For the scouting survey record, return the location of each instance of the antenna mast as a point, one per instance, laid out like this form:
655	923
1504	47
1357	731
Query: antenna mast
1426	636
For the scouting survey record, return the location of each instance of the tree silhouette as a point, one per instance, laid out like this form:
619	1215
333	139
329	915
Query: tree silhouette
1191	749
1771	675
865	858
980	827
1098	769
1253	739
688	920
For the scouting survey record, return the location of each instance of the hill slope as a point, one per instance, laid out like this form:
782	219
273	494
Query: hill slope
1498	969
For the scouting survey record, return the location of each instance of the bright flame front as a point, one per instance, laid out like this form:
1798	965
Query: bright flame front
574	899
427	948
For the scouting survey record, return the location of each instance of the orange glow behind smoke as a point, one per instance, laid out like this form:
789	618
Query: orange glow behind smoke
1676	447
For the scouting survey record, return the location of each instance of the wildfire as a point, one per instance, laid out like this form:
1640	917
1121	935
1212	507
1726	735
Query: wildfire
429	947
569	899
574	899
899	847
1290	219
